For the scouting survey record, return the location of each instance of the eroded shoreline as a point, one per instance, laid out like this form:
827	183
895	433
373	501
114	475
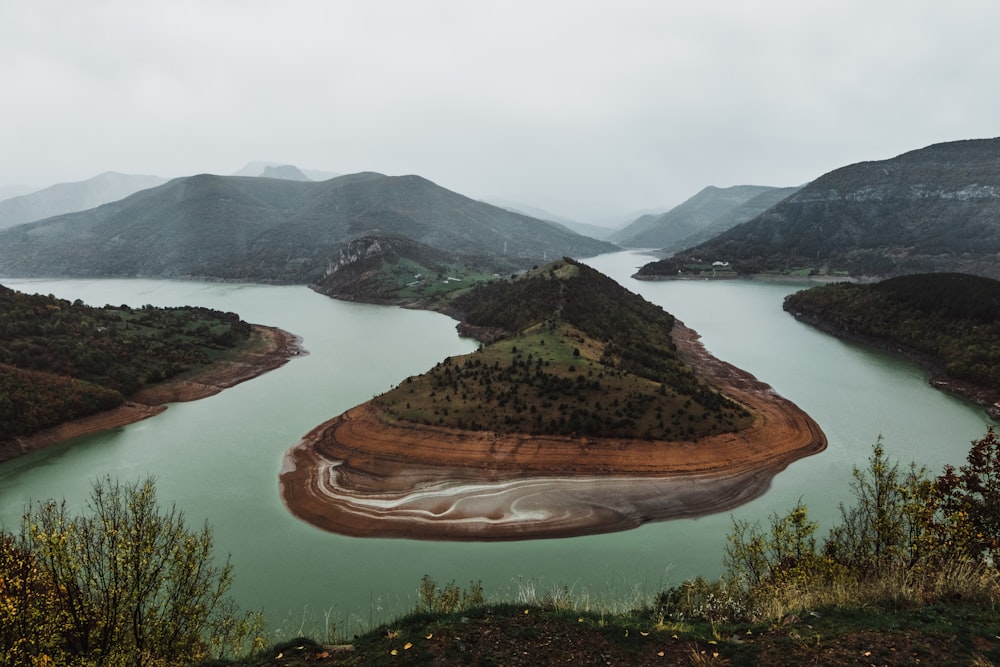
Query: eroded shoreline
274	347
359	475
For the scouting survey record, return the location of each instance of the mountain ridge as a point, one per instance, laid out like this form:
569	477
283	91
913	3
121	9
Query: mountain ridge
270	230
931	209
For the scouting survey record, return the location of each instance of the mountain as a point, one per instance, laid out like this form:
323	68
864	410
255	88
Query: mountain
285	171
8	191
280	170
273	230
748	210
705	209
69	197
929	210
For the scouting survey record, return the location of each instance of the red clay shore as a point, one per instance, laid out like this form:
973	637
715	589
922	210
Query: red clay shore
269	348
359	475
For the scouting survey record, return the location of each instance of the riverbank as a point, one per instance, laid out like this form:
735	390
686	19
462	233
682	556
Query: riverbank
269	348
359	475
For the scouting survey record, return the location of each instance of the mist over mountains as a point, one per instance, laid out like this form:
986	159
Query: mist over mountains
273	230
931	209
710	212
69	197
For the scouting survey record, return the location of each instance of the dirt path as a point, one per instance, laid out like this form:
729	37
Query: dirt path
268	349
359	475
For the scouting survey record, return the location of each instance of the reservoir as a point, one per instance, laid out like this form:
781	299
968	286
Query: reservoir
218	459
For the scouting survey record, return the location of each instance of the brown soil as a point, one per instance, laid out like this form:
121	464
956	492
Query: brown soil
359	475
267	349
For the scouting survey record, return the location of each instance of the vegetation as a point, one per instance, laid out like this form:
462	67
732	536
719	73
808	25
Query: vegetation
588	358
61	360
908	575
929	210
127	584
952	318
400	271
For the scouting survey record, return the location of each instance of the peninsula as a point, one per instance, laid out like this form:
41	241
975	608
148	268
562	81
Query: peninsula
68	369
590	410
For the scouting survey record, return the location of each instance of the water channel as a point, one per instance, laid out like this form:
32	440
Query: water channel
218	459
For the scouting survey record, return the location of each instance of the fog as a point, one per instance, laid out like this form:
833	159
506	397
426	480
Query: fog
593	110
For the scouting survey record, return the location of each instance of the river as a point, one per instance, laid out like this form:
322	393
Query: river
218	459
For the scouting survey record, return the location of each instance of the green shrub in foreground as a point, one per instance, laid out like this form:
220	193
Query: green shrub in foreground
125	584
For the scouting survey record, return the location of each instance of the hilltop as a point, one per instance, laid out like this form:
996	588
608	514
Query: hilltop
948	321
930	210
273	230
587	410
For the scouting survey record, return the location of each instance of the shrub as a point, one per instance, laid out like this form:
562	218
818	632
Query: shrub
131	584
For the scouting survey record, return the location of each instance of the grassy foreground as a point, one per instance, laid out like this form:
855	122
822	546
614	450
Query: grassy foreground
545	633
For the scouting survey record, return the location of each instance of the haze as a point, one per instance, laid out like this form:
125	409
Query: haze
593	110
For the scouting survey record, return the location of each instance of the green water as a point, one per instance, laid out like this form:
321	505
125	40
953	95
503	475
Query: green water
218	458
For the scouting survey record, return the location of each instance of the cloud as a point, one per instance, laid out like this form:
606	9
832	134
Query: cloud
637	104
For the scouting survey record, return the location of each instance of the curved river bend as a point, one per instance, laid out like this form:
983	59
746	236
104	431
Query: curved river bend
218	458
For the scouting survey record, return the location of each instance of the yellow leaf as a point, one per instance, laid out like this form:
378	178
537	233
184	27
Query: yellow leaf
429	636
407	646
660	654
393	652
643	633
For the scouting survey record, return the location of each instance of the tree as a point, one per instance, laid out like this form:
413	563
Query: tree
970	499
887	527
134	585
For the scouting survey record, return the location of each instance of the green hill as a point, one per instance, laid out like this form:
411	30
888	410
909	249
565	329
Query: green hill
576	354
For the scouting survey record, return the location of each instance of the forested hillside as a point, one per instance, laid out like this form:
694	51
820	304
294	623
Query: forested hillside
61	360
579	354
953	319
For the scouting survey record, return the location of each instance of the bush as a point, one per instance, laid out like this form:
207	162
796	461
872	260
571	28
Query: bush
127	584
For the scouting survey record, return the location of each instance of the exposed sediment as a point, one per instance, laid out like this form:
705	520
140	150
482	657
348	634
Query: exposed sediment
268	349
359	475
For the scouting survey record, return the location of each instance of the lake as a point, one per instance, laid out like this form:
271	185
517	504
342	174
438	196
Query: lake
218	459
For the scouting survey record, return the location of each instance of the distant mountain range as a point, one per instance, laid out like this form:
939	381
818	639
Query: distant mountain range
933	209
708	213
273	230
69	197
287	171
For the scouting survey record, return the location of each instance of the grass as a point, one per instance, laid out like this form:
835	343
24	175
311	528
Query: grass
509	633
550	380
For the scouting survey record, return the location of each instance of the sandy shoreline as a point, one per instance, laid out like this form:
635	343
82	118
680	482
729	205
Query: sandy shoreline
273	348
358	475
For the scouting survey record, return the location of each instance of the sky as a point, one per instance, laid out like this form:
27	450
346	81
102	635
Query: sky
594	110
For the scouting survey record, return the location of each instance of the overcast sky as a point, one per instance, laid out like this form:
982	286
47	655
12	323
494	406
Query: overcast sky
586	108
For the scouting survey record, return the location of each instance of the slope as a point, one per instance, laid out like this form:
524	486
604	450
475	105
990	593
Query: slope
69	197
271	230
666	230
933	209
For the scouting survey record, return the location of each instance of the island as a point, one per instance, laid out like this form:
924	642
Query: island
68	369
586	410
